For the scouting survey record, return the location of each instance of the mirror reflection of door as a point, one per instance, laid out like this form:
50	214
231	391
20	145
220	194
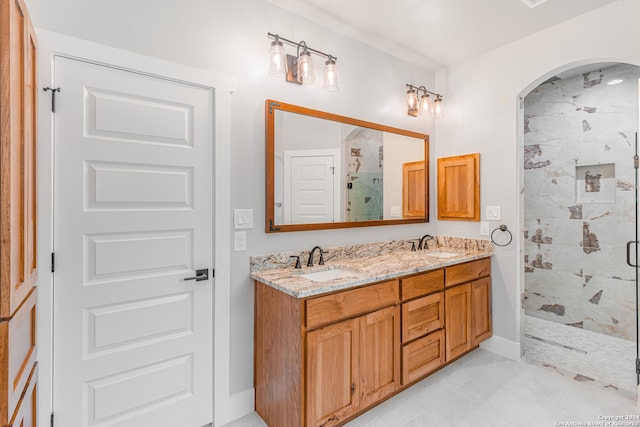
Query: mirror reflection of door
311	186
413	190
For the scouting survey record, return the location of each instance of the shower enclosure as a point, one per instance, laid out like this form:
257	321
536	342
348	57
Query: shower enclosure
579	213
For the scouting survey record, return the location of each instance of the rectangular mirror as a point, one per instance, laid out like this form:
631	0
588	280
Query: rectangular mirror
329	171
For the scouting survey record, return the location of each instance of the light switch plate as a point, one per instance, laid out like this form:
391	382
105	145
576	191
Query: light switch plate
242	218
492	213
239	241
395	211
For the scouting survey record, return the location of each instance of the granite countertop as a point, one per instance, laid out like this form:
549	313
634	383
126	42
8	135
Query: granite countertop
364	270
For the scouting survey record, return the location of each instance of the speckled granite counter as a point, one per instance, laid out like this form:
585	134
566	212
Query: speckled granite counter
367	263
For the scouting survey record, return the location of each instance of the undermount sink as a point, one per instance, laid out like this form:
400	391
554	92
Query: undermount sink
329	274
441	254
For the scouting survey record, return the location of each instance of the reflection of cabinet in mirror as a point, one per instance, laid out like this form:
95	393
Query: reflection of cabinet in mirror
413	190
329	171
459	187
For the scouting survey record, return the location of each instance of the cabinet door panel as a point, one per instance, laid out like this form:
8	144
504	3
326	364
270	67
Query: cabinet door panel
332	373
459	187
422	316
422	356
379	352
25	414
480	310
18	350
17	156
458	320
413	190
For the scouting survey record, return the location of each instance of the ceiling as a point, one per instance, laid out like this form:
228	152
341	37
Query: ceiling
438	33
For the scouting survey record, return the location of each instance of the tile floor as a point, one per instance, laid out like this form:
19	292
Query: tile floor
605	361
484	389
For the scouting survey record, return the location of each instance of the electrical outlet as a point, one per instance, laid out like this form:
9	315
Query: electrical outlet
484	228
239	241
492	213
395	211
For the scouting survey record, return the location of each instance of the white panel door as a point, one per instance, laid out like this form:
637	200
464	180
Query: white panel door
132	220
311	187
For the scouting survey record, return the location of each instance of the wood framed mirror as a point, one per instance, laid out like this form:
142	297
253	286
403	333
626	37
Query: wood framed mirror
326	171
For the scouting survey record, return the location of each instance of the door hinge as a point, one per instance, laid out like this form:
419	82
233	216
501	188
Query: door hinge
53	262
638	366
51	420
53	97
213	272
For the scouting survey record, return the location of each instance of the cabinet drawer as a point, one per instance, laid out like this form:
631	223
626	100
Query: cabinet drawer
422	316
18	352
422	356
25	414
343	305
468	271
422	284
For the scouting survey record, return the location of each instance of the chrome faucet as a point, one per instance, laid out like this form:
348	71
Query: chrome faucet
425	239
310	262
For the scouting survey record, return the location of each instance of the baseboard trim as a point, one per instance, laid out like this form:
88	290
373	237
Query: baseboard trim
503	347
239	405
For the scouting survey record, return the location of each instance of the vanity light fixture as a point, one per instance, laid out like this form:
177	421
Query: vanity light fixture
300	68
419	101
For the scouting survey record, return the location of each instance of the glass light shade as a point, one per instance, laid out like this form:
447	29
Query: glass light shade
437	107
330	76
413	108
425	104
306	73
277	59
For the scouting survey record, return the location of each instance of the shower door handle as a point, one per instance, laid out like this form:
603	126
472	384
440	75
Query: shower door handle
629	243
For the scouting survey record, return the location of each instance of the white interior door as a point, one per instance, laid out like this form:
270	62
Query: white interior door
312	186
132	219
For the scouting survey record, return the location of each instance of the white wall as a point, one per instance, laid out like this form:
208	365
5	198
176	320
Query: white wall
230	38
483	115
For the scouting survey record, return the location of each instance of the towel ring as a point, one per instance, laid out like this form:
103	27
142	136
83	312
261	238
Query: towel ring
505	229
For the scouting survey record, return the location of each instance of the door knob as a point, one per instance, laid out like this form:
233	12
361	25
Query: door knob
202	274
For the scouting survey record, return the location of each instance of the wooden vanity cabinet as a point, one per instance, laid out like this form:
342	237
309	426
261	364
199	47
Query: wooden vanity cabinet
468	306
320	361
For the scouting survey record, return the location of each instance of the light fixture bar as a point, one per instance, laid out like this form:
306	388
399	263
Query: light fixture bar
292	43
424	89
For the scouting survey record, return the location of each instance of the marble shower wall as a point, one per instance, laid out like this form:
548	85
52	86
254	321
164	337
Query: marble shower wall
575	254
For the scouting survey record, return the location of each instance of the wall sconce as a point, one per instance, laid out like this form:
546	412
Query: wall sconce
300	69
421	104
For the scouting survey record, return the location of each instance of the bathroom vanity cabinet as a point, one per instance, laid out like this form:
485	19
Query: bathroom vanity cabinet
321	360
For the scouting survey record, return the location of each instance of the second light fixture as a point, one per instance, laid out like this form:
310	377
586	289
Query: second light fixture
300	69
422	104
